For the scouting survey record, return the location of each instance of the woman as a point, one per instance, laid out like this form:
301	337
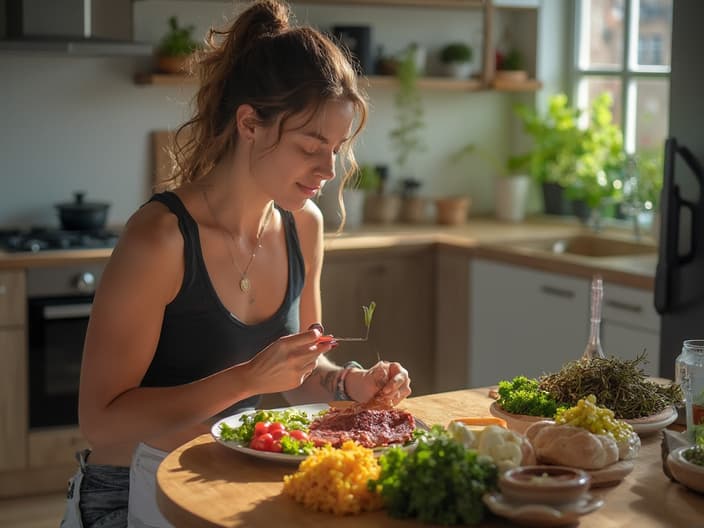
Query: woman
200	308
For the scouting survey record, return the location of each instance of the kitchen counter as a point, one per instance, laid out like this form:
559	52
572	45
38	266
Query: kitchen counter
477	237
203	484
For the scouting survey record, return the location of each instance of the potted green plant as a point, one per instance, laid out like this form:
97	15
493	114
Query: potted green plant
176	48
584	163
456	58
512	182
379	206
413	206
407	136
510	67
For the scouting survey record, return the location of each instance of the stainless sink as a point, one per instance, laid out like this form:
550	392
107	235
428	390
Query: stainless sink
588	246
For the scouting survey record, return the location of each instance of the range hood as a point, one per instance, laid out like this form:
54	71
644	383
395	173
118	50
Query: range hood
75	27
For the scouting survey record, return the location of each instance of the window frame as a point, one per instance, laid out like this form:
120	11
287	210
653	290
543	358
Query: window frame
628	73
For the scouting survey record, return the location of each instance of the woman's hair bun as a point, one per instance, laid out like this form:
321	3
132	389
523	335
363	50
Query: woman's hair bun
266	17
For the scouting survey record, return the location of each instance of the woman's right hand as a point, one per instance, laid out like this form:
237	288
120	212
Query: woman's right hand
287	362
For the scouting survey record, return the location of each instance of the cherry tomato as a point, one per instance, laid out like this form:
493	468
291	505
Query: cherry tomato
275	446
262	442
277	426
261	428
278	433
298	435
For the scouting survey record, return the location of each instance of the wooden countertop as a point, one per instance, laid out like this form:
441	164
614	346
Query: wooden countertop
204	484
483	237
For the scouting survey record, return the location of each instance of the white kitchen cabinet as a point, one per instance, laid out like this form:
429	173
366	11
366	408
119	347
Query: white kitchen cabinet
630	325
523	321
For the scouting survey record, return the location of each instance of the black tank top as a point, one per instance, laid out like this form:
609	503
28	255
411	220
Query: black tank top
199	336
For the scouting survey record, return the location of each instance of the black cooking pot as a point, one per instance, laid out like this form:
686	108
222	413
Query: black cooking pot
82	216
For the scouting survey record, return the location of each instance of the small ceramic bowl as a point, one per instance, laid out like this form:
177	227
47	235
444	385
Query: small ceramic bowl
687	473
554	485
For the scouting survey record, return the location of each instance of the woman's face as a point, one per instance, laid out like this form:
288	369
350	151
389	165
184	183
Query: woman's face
305	156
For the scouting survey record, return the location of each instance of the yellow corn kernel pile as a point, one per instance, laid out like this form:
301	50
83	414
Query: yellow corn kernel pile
335	480
598	420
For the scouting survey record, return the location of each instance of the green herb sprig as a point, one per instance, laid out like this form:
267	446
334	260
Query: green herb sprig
368	315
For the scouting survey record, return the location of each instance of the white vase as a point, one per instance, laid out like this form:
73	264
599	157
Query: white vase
330	206
511	197
458	70
354	208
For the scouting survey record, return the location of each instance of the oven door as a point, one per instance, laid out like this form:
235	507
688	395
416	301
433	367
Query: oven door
57	329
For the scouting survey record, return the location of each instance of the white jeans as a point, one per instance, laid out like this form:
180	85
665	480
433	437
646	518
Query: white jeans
143	511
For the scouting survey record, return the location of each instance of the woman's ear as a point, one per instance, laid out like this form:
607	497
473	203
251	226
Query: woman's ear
246	117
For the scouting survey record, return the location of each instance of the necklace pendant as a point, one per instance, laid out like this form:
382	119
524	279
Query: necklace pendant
244	284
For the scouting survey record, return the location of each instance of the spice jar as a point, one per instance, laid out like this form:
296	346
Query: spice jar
689	372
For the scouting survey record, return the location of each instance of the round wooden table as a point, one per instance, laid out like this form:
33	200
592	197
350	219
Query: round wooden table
205	484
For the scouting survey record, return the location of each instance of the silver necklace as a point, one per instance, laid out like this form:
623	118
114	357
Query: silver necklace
245	284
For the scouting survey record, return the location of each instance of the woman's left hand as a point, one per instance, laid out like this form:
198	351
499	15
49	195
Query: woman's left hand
388	382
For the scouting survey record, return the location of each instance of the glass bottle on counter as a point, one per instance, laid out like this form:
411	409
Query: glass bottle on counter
689	373
593	348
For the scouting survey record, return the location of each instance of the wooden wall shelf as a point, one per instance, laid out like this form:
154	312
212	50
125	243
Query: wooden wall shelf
373	81
455	4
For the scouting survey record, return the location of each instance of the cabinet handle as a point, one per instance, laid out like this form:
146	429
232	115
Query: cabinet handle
3	289
628	307
557	292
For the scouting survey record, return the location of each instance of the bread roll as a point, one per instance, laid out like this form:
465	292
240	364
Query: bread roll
535	427
528	458
566	445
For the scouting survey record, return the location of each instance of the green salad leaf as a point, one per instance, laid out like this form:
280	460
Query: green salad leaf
440	481
292	419
523	395
291	446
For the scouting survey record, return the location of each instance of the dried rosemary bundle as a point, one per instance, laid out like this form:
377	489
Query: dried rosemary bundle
617	384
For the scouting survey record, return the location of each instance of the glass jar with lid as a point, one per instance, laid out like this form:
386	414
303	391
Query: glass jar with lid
689	372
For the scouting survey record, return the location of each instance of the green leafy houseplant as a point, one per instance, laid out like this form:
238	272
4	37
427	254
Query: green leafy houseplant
588	161
456	52
512	61
176	47
178	41
368	179
457	59
512	182
406	137
650	164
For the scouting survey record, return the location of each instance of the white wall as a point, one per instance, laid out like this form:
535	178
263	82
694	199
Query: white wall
71	123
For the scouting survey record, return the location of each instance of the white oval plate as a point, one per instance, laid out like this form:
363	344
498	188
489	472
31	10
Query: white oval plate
652	424
541	514
311	410
234	421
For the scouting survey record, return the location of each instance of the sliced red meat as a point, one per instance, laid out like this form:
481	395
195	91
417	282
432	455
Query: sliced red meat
369	427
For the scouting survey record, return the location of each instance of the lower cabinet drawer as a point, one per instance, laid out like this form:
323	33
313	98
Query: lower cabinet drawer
54	447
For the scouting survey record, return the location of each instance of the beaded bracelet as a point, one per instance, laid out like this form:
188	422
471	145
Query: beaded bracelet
340	390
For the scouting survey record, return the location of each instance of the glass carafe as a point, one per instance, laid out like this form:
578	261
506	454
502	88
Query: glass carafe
689	373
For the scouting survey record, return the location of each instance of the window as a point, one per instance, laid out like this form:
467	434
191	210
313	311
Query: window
623	47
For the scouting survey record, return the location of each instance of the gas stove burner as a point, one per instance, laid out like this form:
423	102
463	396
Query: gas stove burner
41	239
